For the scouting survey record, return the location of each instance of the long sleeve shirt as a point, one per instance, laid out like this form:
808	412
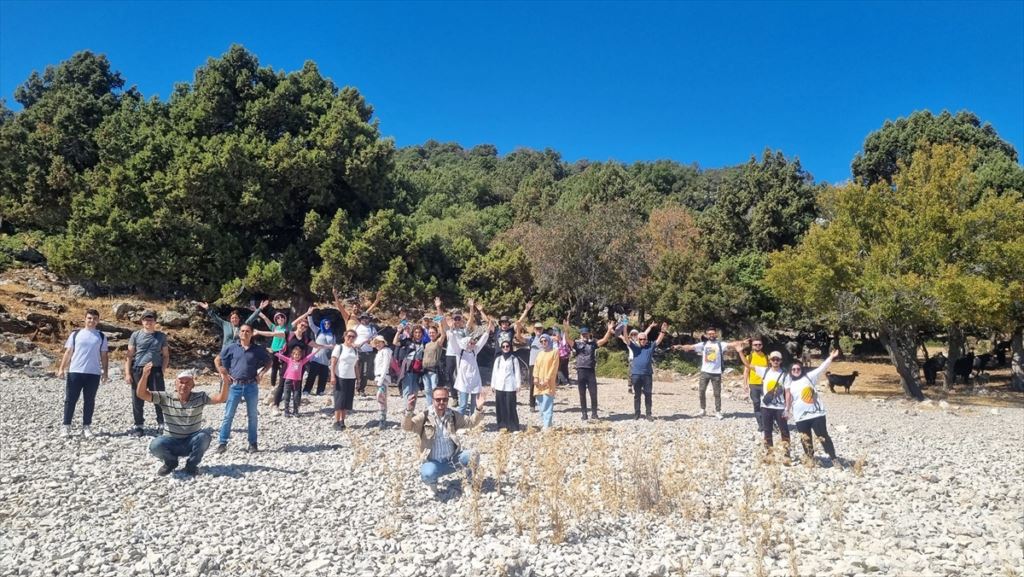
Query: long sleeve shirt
230	331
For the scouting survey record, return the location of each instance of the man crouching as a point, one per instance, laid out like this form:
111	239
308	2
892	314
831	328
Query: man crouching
183	417
437	427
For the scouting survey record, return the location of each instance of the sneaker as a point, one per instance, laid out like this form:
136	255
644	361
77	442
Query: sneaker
165	469
719	415
136	432
288	414
636	416
650	418
583	417
631	389
191	469
700	413
339	426
383	424
65	431
593	415
221	448
252	448
87	432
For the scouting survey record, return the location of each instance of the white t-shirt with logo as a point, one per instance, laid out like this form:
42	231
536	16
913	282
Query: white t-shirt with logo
773	387
806	400
711	353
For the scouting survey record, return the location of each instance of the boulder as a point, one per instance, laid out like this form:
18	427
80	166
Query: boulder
77	290
29	255
122	310
40	320
114	331
9	324
41	304
172	320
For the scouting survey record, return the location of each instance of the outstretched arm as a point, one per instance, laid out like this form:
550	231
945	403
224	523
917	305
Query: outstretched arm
607	335
340	306
375	302
661	334
257	312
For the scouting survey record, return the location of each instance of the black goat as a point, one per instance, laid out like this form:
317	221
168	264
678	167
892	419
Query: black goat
840	381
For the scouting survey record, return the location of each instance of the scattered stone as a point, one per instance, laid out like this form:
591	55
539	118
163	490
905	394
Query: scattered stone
172	319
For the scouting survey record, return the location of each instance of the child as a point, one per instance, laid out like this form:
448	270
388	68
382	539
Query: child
382	374
292	378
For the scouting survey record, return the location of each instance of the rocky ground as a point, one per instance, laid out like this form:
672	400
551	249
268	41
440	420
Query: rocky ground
922	489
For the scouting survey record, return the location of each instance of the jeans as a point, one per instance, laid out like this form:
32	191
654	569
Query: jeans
547	409
366	368
756	392
410	388
250	392
642	385
429	384
467	403
819	427
76	384
586	380
168	448
431	471
292	395
716	383
156	383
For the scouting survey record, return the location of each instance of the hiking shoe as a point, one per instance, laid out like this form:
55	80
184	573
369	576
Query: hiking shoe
136	432
191	469
383	424
166	469
593	415
636	416
583	417
65	431
719	415
87	432
221	448
252	448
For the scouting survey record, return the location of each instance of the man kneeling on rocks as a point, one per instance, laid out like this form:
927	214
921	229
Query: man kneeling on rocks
183	416
437	428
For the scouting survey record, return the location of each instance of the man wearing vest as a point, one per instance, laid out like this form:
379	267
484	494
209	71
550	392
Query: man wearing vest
437	428
711	352
85	362
754	380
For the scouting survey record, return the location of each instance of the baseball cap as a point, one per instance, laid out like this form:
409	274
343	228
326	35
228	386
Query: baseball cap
538	325
584	331
149	314
775	355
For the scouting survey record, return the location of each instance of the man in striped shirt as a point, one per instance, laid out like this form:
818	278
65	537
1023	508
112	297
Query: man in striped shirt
183	417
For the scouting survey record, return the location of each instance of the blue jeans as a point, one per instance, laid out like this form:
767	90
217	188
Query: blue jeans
467	403
429	383
431	471
547	409
169	448
235	394
410	388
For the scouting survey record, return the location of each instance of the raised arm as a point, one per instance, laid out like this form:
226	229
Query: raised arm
470	314
522	317
739	351
308	312
345	316
661	334
221	395
211	313
141	391
373	305
607	335
257	312
813	375
649	327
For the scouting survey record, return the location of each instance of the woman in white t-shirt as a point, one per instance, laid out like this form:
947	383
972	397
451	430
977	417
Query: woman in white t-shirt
506	375
773	397
803	405
344	372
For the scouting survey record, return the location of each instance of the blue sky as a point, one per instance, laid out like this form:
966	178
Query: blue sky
693	82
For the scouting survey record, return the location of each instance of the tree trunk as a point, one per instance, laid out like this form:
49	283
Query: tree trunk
901	343
956	350
1017	360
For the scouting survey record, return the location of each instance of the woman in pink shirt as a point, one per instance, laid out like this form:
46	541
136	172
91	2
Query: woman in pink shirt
293	377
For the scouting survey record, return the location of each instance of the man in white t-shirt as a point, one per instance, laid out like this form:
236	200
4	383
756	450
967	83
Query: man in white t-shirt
712	356
85	363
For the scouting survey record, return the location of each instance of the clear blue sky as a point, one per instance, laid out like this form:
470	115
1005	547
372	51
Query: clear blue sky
706	83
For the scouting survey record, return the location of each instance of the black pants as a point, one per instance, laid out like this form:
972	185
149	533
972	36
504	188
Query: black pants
276	368
755	398
366	368
563	371
771	417
76	384
586	380
292	392
451	367
716	383
642	384
156	383
319	374
533	397
505	410
818	426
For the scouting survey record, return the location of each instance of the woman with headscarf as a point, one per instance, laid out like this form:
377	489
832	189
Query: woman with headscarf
320	367
545	379
803	406
506	375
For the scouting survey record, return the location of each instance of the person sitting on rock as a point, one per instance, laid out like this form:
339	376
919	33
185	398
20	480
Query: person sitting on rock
183	415
437	428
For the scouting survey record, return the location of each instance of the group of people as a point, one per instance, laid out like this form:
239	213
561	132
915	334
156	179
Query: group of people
439	354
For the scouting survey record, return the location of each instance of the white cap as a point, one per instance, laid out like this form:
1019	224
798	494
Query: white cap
186	375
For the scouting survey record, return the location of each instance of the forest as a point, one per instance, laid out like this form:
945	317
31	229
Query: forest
249	182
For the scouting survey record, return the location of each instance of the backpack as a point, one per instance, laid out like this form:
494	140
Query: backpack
74	335
395	368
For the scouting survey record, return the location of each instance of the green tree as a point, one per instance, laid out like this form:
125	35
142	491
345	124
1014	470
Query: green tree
899	259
